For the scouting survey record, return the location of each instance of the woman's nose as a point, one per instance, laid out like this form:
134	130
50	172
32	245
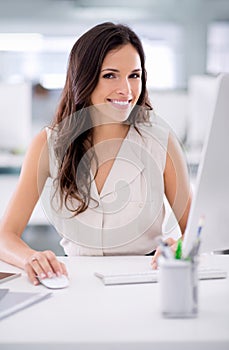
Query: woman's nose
123	87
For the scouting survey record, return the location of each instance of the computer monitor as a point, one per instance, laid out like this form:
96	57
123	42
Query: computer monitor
211	193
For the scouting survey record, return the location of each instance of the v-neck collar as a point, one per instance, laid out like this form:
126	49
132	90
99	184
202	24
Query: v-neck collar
126	167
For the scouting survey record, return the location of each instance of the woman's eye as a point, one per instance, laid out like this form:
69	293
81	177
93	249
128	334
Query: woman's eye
108	76
135	75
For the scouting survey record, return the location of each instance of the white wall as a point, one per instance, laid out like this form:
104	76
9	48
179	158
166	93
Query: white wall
172	106
15	116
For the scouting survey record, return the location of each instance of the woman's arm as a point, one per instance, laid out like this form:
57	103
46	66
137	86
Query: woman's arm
13	249
177	188
177	182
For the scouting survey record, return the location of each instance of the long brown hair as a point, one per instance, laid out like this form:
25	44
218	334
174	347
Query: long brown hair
72	120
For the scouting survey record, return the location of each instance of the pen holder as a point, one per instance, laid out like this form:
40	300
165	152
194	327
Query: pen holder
178	280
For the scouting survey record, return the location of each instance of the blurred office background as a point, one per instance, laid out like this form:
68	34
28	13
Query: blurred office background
186	44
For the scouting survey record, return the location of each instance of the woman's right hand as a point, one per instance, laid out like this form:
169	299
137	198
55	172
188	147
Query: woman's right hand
172	243
43	264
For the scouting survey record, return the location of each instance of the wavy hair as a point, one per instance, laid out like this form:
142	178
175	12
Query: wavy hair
72	122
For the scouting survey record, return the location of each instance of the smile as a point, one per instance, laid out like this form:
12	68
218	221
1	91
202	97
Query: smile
120	103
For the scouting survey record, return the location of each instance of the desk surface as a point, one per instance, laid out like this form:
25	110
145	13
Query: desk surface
89	315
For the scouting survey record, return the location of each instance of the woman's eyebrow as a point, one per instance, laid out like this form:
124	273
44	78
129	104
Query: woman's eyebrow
116	70
110	69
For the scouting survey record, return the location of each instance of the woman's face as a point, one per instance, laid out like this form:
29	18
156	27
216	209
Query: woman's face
119	85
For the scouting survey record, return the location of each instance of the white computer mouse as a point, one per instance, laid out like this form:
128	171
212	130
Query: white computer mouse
55	282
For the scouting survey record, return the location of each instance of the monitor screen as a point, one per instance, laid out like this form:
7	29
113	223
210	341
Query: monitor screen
211	194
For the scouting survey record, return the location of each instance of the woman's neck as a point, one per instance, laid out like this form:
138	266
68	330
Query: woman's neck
110	131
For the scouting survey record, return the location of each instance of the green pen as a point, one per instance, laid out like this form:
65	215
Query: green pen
178	253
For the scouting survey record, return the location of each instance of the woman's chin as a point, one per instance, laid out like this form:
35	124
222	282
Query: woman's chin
111	113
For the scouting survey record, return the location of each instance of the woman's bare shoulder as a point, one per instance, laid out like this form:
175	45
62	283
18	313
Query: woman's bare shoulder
37	153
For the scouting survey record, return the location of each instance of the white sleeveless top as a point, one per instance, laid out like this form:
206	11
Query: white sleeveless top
127	216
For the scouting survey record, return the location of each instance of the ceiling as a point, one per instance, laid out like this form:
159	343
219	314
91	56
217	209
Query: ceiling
64	17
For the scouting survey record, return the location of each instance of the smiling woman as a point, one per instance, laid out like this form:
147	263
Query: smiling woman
103	166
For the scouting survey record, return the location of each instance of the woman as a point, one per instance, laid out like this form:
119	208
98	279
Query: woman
103	166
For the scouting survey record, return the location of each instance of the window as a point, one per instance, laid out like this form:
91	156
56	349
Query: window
160	64
164	50
218	48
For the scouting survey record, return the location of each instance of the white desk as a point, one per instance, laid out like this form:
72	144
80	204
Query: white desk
89	315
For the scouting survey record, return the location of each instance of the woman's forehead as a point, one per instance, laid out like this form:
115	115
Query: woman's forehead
125	55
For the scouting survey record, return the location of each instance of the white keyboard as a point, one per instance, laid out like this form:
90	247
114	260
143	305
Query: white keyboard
152	276
210	274
127	278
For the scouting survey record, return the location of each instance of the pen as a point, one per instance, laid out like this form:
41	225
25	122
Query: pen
196	246
178	252
200	225
165	250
